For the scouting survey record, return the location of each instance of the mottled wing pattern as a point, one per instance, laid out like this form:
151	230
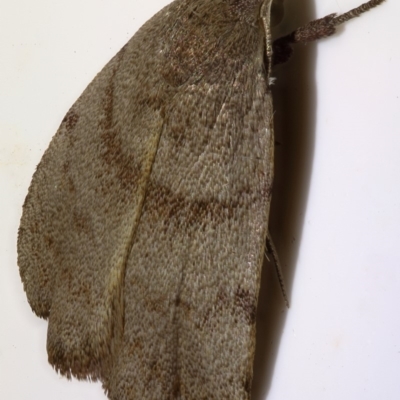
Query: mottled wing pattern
144	228
84	204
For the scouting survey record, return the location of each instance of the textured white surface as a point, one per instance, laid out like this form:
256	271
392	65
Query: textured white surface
341	337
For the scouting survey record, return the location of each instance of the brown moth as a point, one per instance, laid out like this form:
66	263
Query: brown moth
145	225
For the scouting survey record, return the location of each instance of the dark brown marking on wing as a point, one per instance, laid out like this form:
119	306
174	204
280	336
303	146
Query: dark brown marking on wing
126	170
176	389
246	303
247	383
81	222
70	120
222	302
167	206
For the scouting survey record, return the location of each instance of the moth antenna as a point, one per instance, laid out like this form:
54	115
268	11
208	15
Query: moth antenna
271	249
357	11
314	30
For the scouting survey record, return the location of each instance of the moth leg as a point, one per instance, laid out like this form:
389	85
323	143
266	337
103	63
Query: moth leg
314	30
271	249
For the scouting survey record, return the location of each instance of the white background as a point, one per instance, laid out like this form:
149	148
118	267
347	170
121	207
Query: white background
336	205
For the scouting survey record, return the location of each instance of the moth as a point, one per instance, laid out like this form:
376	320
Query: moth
145	225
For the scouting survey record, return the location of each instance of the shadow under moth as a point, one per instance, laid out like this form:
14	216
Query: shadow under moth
145	225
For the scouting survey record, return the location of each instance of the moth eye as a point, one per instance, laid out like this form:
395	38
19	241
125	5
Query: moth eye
277	12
